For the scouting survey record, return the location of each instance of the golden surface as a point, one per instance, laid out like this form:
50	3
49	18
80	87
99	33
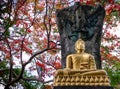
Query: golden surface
80	69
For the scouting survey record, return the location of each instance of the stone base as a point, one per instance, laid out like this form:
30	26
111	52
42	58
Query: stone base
83	87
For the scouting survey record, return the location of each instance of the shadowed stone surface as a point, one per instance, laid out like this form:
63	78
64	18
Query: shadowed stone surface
81	21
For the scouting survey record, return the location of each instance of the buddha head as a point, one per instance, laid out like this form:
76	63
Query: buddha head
80	45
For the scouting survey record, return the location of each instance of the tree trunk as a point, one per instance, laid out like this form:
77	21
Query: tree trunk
81	21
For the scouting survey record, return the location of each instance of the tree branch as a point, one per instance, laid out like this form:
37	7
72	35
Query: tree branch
35	54
17	79
112	38
35	79
11	61
45	62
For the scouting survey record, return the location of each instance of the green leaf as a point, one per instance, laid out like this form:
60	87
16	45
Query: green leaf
7	33
55	31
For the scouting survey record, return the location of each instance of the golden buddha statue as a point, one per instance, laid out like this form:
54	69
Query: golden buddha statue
82	67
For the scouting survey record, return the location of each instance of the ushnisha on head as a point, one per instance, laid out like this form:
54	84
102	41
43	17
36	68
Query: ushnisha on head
79	45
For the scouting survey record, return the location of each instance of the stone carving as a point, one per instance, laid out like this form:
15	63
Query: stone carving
80	69
81	21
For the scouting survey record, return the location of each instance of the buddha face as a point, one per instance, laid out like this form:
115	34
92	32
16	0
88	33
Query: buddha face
79	45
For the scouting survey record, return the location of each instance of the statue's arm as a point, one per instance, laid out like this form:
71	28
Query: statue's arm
69	62
92	63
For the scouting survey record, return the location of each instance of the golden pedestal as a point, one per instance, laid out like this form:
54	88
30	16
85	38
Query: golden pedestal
67	80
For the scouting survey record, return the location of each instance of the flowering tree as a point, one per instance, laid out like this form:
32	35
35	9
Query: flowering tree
29	38
26	30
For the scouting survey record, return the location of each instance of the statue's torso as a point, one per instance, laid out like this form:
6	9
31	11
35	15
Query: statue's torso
81	61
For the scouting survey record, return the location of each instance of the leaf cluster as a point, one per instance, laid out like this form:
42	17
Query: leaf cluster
113	72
